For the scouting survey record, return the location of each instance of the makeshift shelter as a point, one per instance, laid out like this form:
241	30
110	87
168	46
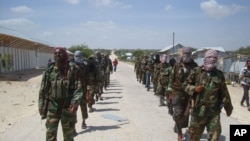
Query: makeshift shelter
18	52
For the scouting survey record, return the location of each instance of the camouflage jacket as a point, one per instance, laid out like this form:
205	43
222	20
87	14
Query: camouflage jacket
178	76
215	94
69	86
156	72
163	78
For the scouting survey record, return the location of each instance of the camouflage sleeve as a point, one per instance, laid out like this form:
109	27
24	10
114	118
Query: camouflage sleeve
225	95
189	83
171	79
78	93
41	96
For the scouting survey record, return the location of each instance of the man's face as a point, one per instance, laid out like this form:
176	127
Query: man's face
248	64
59	57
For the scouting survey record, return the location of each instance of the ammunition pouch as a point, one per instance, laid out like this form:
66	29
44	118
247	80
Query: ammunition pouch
59	89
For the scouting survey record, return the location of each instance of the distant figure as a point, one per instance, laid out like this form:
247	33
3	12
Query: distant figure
245	80
49	61
115	63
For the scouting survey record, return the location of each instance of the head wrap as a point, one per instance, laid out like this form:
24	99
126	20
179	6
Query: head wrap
172	62
157	58
210	59
78	57
64	53
63	60
164	58
186	55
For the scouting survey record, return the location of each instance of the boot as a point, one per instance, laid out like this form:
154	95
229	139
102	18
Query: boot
100	97
90	109
84	126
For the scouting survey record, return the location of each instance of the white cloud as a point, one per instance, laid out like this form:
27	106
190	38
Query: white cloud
21	9
20	23
109	3
73	2
168	7
216	10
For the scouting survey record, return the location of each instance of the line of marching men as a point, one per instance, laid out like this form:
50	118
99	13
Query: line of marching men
191	91
69	84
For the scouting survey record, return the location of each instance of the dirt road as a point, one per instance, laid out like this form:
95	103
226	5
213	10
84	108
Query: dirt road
127	113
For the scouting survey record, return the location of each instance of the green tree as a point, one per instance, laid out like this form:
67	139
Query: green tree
84	48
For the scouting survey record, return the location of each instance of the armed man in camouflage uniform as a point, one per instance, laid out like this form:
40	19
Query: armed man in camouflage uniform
210	94
79	60
108	69
149	70
93	82
137	68
167	74
162	80
156	72
180	98
100	77
59	95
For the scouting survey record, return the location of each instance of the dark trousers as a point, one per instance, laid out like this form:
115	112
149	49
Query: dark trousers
245	95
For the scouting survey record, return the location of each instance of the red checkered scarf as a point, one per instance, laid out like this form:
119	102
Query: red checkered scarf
210	60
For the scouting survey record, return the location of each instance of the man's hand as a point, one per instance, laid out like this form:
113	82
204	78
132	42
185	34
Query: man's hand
72	108
198	89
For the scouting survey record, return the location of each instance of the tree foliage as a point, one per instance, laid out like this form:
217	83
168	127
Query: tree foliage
243	50
84	48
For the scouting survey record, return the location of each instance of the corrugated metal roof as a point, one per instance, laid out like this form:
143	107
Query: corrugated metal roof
14	33
221	49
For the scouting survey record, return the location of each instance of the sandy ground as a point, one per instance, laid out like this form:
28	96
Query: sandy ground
19	96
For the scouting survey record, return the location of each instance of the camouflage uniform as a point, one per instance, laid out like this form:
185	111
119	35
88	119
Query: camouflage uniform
137	68
162	82
83	65
100	77
107	70
57	93
93	84
180	98
156	73
207	86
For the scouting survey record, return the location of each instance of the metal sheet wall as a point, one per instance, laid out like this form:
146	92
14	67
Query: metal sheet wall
15	59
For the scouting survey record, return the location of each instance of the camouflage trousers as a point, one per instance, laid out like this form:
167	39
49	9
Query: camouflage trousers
179	103
92	90
55	114
198	124
84	110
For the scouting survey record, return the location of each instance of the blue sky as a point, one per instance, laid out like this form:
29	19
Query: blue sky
145	24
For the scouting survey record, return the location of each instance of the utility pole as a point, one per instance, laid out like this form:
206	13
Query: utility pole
173	44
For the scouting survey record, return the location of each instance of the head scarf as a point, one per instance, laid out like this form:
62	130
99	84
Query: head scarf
64	61
186	55
64	53
164	58
210	59
78	57
172	62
